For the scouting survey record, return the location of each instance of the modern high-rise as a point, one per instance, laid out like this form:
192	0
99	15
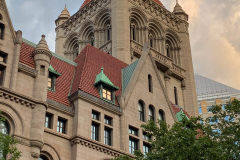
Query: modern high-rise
117	64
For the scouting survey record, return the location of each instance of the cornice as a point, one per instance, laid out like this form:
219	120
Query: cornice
27	70
97	101
60	107
19	98
95	145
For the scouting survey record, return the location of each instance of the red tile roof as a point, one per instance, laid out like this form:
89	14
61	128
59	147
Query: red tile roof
87	1
26	55
177	109
90	61
63	82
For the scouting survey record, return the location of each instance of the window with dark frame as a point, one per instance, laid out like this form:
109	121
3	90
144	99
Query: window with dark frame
95	115
108	120
107	136
141	111
48	121
133	131
175	95
133	145
107	94
61	126
2	72
151	113
150	86
146	149
95	132
161	115
146	136
43	157
2	28
108	33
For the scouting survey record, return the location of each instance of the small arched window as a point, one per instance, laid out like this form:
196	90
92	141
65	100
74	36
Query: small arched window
175	95
92	41
168	51
151	113
161	115
108	33
43	158
150	86
141	110
133	31
150	40
4	128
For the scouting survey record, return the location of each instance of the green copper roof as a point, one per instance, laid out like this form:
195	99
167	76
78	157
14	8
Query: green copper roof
102	78
180	115
51	69
127	73
53	54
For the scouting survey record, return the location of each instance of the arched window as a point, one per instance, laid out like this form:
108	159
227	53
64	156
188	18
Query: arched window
4	128
175	95
108	33
168	51
92	41
151	113
150	40
141	110
150	86
43	158
161	115
133	32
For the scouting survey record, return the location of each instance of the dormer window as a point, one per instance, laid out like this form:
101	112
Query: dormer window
107	94
105	87
52	76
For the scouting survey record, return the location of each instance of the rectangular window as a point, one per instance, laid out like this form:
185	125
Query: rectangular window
61	125
95	131
133	145
146	137
209	109
2	71
133	131
49	82
107	94
42	70
3	58
146	149
95	115
108	120
176	95
107	136
200	110
48	121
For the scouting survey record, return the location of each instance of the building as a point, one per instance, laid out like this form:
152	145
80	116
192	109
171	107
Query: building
210	92
89	98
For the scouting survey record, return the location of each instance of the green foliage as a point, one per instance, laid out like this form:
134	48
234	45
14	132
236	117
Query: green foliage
191	140
8	145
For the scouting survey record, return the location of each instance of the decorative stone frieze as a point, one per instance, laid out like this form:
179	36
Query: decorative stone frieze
84	13
35	155
159	12
27	70
22	140
79	140
18	98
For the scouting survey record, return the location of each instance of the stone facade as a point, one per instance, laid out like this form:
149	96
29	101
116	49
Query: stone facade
141	31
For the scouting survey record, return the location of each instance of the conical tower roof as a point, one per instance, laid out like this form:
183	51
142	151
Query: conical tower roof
65	13
42	47
178	9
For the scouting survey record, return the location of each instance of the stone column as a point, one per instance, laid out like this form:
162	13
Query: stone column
167	77
17	47
42	57
183	85
146	34
96	34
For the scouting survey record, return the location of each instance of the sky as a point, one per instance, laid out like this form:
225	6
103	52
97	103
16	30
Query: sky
214	31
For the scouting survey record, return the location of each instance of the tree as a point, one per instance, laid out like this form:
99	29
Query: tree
218	138
8	145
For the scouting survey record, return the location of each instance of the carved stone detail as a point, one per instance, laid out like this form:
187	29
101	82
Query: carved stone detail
36	143
27	70
168	74
183	84
35	155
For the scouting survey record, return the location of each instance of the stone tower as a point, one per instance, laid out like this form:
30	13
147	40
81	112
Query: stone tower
121	27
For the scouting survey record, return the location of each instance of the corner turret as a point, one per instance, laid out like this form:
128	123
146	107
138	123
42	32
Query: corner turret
178	11
63	17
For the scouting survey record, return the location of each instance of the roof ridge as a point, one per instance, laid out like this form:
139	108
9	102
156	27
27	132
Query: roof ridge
80	83
53	54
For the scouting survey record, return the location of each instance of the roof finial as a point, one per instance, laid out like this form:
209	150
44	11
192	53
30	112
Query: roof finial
102	69
177	1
